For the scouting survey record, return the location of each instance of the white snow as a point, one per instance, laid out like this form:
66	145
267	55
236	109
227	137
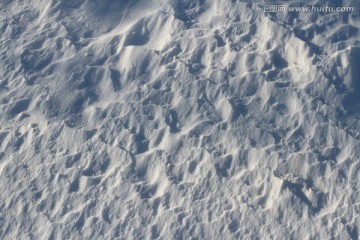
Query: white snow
178	120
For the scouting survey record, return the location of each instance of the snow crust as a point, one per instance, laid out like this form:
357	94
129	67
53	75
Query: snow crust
178	120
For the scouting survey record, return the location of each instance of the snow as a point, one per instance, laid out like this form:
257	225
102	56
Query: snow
178	120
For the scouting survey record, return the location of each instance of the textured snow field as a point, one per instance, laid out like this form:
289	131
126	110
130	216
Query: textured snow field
178	120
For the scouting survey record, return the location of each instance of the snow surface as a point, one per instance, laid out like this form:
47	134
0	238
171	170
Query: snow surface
172	119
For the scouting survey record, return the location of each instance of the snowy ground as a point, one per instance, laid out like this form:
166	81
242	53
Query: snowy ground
173	119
